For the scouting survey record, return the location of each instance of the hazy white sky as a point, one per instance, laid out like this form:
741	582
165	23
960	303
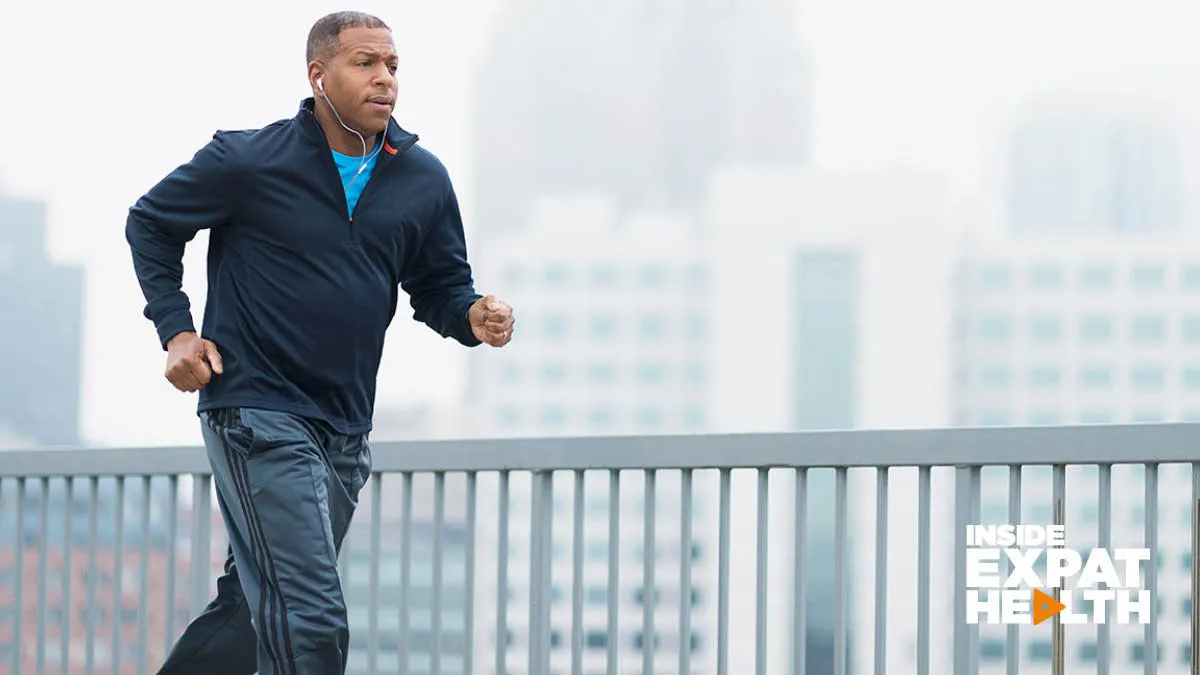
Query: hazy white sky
102	99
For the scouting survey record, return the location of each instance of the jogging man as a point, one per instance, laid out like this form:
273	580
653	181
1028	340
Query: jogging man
315	224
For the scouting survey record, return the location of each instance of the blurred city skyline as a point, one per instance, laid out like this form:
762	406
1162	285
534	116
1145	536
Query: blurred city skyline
891	85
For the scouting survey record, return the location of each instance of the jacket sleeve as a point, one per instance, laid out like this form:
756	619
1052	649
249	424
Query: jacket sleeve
438	281
193	197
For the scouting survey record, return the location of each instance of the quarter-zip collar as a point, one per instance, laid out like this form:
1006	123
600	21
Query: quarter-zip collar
396	139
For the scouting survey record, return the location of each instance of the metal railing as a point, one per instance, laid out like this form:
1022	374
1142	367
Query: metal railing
773	641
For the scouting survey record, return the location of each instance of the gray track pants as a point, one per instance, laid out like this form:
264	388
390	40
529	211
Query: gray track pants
287	488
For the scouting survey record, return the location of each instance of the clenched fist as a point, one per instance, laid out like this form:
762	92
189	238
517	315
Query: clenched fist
191	362
492	321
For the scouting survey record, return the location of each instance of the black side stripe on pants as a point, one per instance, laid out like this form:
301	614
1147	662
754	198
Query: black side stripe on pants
266	622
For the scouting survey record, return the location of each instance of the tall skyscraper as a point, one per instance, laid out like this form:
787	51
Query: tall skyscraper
41	307
639	101
1093	166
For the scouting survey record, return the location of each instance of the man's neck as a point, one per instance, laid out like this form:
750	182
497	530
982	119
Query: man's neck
339	139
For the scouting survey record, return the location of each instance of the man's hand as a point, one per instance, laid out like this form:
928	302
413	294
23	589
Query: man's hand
491	321
191	362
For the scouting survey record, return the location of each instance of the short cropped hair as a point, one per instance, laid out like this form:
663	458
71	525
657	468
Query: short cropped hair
325	35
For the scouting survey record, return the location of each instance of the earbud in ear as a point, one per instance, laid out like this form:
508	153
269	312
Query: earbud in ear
321	84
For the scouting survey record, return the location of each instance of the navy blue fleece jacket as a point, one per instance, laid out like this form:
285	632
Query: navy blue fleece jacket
300	294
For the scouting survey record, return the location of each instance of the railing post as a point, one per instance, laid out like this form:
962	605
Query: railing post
966	497
541	546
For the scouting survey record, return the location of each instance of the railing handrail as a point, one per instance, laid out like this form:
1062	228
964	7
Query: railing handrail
1172	442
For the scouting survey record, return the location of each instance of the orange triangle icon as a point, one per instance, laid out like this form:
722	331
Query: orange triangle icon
1044	607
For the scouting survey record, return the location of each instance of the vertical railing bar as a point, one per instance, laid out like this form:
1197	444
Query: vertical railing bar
1104	540
67	575
373	574
469	582
976	472
577	578
93	544
839	573
613	596
961	641
760	581
649	590
923	562
881	543
19	580
1012	647
172	534
201	560
439	543
541	543
535	580
502	577
43	563
404	638
1151	650
118	609
685	572
144	577
1057	636
1194	573
723	576
799	591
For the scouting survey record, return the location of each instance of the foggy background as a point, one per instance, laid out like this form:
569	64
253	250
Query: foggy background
709	216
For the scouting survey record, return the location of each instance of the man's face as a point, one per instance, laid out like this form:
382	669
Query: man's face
361	79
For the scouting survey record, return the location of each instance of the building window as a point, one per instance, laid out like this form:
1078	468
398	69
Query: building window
693	374
695	327
1097	276
993	276
995	329
510	372
604	276
1095	417
1148	330
697	276
1096	329
602	373
554	373
508	417
1147	378
557	275
651	373
1040	651
1046	376
653	276
1045	418
1148	416
554	417
602	419
603	327
693	418
652	327
1088	651
1190	328
1149	277
991	650
994	376
649	418
555	327
1095	377
1045	275
1044	329
994	417
1191	276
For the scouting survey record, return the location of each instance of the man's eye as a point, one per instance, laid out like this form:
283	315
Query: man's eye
363	64
392	69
